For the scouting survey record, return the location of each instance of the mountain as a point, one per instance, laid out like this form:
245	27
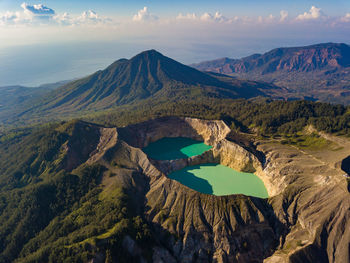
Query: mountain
147	76
295	59
320	71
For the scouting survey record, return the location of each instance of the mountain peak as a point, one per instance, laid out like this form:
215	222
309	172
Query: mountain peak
152	53
148	75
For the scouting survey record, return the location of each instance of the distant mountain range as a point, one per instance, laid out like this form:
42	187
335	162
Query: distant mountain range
319	71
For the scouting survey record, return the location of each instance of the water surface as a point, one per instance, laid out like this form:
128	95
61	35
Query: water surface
217	179
175	148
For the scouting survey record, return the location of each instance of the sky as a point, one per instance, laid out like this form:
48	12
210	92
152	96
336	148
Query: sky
77	37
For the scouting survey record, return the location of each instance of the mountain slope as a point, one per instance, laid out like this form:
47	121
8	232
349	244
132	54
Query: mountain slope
295	59
148	75
15	99
320	71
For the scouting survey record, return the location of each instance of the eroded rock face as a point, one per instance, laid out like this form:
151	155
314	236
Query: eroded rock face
141	134
306	218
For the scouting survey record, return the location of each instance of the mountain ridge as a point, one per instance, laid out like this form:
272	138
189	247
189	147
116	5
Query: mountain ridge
327	54
320	70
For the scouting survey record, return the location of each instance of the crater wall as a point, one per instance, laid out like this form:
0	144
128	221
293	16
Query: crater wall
306	216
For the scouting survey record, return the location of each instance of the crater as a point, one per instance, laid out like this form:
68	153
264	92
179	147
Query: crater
173	145
208	178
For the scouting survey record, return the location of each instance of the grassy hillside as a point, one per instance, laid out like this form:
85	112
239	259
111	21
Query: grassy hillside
265	117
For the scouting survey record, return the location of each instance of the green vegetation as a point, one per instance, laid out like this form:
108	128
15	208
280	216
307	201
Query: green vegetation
96	223
50	215
264	117
311	142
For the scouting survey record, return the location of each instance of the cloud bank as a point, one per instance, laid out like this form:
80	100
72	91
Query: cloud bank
314	13
43	15
39	23
40	14
144	15
346	18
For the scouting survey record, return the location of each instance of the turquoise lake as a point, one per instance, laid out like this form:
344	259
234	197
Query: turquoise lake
217	179
175	148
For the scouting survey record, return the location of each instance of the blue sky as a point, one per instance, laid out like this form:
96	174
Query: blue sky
189	31
235	7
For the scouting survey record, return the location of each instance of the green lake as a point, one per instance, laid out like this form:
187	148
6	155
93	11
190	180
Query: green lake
217	179
175	148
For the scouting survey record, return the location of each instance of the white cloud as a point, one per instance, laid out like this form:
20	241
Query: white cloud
262	20
144	15
42	15
206	17
218	17
9	18
65	19
271	17
188	16
89	15
314	13
284	15
346	18
86	18
37	11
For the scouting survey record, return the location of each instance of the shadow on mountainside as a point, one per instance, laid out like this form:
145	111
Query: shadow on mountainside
188	179
345	165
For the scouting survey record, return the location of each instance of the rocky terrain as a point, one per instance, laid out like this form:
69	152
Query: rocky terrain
305	219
